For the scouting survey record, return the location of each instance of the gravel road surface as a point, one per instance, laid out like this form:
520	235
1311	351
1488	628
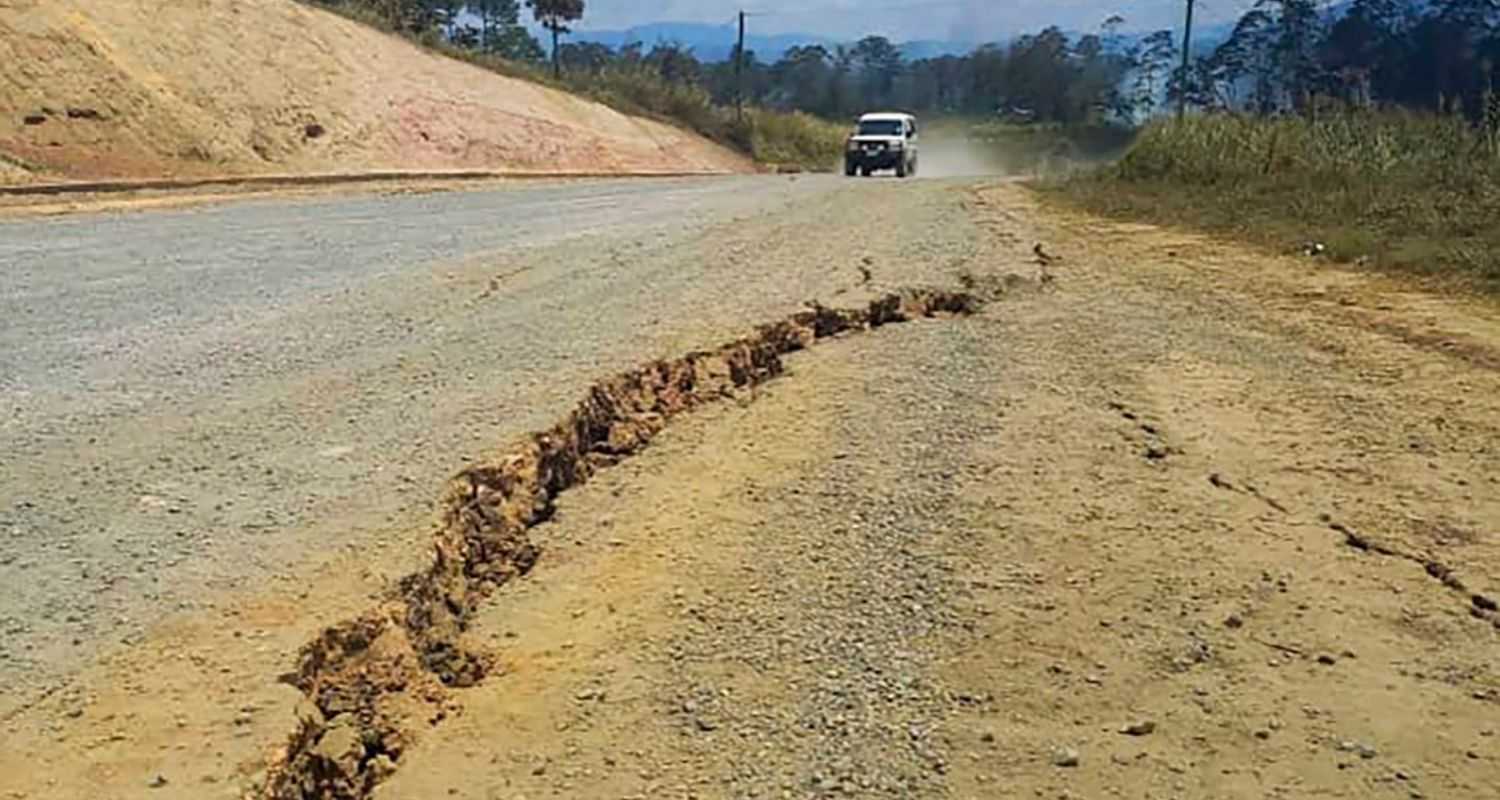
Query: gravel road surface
1166	518
202	399
1160	522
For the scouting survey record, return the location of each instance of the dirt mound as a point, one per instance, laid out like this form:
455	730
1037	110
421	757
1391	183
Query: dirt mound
133	89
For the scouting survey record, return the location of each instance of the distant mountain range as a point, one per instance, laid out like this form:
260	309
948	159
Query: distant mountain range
716	42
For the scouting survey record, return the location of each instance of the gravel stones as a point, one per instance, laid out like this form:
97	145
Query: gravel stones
1065	757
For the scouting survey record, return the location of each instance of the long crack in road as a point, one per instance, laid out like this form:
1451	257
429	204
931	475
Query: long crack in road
1165	517
194	399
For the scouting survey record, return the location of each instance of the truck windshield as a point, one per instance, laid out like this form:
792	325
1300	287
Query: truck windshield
880	127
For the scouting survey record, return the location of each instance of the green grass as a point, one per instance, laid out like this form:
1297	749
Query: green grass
1417	194
770	137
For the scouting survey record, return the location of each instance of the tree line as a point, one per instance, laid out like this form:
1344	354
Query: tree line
1282	55
1047	76
1287	55
499	30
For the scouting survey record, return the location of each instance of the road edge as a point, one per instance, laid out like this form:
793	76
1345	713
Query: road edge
119	186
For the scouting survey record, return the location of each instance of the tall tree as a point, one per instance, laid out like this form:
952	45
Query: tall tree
1435	54
586	57
803	79
448	13
840	94
1093	93
556	16
1038	74
879	63
1109	32
1358	48
409	16
1299	31
516	43
1154	63
502	31
1248	56
675	63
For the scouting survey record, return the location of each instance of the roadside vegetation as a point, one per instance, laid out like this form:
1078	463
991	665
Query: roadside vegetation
1370	136
791	139
798	105
1397	190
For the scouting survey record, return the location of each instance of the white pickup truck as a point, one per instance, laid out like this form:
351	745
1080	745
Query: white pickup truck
882	141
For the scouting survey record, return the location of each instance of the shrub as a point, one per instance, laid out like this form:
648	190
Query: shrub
796	139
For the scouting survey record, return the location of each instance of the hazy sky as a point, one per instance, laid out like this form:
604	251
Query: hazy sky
961	20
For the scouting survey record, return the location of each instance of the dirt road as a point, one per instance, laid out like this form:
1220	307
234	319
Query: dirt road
200	399
1164	518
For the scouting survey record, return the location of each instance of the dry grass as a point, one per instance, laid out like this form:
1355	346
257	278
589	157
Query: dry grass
1413	193
796	139
770	137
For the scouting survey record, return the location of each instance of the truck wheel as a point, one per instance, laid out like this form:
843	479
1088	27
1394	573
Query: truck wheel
901	169
848	170
864	172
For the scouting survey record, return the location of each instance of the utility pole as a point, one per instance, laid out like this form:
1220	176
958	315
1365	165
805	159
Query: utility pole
1187	50
739	74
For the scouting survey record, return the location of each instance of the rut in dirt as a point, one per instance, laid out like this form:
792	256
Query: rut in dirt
371	683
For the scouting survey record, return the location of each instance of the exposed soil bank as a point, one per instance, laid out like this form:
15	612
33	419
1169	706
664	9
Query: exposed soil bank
100	91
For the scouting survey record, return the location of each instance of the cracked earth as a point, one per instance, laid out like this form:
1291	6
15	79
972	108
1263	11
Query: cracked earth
1163	517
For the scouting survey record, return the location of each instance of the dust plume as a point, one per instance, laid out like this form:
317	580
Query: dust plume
961	149
952	153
